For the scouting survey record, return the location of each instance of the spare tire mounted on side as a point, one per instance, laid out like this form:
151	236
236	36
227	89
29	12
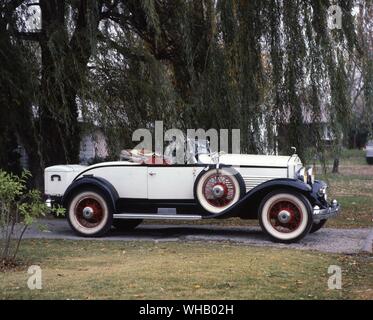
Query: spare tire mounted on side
216	190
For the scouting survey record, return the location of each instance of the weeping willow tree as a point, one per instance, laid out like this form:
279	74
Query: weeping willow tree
256	65
17	70
253	65
52	41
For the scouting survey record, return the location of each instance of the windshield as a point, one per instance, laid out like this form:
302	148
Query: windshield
187	151
201	147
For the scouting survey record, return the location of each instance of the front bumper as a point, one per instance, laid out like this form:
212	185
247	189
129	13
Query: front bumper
326	213
52	201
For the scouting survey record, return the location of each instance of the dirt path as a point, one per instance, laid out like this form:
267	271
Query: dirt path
325	240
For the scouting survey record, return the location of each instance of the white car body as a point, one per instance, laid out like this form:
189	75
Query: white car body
277	190
133	180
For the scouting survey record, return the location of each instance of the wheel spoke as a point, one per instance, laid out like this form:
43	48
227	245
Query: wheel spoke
94	208
291	212
226	185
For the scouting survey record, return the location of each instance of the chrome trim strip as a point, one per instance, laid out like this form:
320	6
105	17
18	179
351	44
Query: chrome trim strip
156	216
251	181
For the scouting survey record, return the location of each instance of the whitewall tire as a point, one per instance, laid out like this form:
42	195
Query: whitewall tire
89	213
285	216
216	191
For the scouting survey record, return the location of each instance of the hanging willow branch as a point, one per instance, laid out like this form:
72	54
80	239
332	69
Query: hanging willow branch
271	68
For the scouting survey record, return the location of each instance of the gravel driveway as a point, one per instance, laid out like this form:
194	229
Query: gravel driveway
325	240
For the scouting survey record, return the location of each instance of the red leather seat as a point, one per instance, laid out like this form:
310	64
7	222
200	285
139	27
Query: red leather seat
144	157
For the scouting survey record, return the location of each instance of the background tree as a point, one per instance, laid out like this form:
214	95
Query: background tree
257	65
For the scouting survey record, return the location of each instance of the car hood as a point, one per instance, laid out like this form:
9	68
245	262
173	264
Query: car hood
252	160
66	168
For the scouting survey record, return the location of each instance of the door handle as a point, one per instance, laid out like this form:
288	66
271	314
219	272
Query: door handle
58	177
152	173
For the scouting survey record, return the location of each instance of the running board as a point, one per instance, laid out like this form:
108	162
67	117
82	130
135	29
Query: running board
156	216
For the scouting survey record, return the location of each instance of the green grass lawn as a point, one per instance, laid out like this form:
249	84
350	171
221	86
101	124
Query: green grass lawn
147	270
353	187
348	157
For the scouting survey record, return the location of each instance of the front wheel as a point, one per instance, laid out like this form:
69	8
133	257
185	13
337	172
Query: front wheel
285	216
89	214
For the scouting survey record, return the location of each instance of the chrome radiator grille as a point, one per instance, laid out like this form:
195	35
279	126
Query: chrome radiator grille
252	181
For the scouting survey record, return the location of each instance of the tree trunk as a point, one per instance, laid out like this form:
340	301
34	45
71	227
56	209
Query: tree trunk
335	165
57	113
64	65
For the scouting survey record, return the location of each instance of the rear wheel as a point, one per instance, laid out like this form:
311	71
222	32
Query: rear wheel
126	224
370	160
285	216
89	213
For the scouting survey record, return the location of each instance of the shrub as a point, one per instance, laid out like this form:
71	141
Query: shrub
19	207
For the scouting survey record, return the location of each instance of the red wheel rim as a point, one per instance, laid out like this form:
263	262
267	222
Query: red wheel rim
224	184
285	216
95	210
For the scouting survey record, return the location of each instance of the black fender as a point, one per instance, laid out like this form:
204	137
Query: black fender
102	184
247	207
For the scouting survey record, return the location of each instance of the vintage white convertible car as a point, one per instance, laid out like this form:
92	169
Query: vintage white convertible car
277	190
